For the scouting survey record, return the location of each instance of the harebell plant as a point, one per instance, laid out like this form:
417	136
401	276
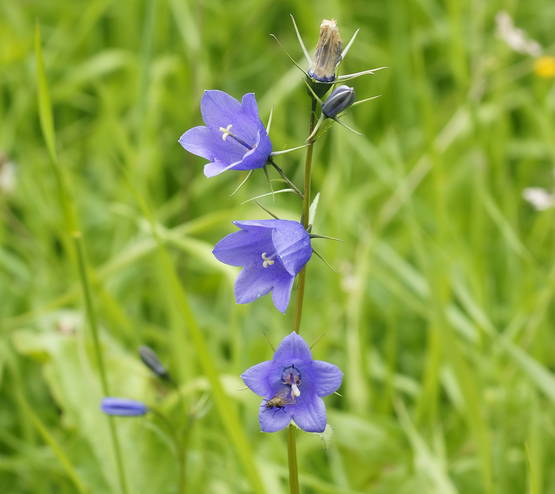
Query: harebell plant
273	253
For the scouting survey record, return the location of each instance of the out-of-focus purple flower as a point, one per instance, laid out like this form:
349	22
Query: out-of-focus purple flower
292	385
151	360
123	407
339	100
234	137
271	253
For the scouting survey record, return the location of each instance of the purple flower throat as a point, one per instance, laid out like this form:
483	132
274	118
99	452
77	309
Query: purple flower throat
292	378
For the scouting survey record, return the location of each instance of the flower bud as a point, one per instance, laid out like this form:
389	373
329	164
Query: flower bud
328	52
151	360
341	98
123	407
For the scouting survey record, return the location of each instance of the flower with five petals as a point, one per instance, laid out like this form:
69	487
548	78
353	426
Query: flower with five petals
292	385
234	137
271	253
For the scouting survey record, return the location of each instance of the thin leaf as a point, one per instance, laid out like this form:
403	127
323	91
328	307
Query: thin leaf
268	194
301	42
349	44
289	56
243	182
323	260
348	77
313	208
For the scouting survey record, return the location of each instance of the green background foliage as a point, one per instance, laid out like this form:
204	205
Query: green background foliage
440	312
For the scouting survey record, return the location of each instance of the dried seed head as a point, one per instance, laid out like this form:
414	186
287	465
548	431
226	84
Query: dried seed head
328	52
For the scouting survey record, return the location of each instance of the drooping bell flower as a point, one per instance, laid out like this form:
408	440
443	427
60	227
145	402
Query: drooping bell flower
292	385
123	407
234	137
271	253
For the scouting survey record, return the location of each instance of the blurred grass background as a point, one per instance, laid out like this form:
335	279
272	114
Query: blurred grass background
441	311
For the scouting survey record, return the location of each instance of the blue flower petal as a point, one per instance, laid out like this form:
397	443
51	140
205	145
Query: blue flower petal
214	168
254	248
256	378
327	376
199	141
310	414
248	103
258	156
234	137
281	294
209	144
273	419
292	244
255	281
219	109
259	224
290	239
292	348
243	248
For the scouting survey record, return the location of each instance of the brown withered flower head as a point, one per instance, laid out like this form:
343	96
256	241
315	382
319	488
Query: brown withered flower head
328	52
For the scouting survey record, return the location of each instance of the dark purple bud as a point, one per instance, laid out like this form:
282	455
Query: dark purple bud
151	360
123	407
340	99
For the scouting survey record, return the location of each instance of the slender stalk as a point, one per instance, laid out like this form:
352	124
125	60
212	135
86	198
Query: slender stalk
292	457
304	217
285	177
291	438
180	443
91	316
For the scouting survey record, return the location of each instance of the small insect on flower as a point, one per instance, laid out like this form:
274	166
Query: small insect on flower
234	137
292	385
123	407
281	398
271	252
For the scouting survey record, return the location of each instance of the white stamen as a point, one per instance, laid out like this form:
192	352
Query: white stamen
225	131
266	261
295	391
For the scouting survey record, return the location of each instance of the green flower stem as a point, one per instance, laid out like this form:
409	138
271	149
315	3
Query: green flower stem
292	459
304	217
291	432
180	443
91	316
